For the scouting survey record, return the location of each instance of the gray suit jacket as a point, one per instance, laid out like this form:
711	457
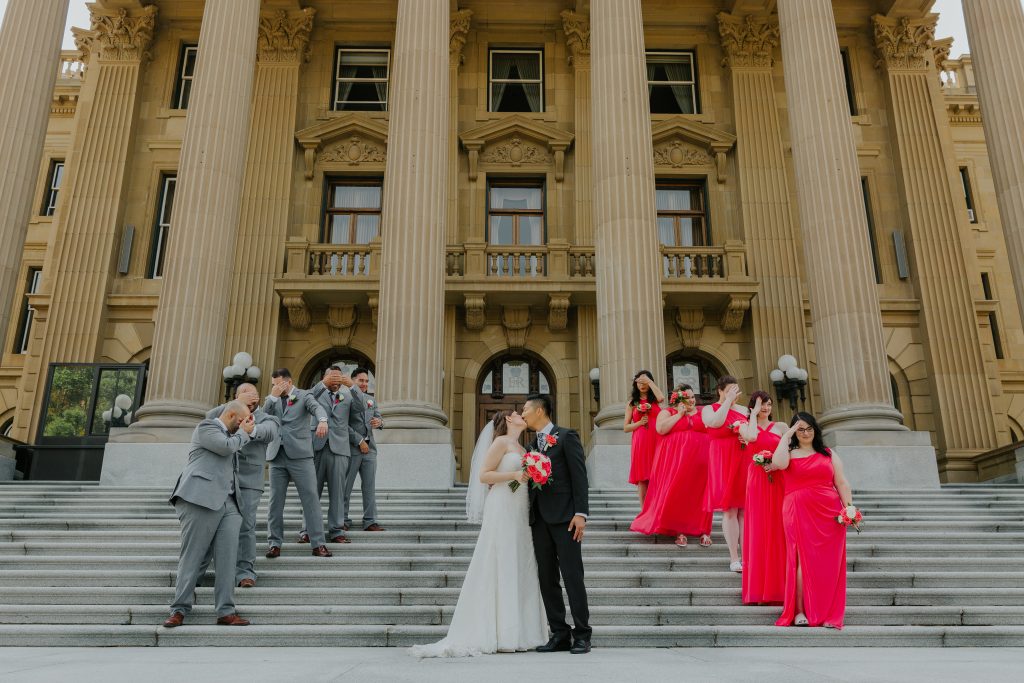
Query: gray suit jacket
252	459
294	434
361	429
339	418
212	466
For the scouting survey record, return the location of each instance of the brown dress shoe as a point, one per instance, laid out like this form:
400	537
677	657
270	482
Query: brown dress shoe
273	552
374	527
340	539
303	538
176	619
247	583
322	551
232	620
344	527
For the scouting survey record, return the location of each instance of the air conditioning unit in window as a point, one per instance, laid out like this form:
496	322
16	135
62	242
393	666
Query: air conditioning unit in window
970	215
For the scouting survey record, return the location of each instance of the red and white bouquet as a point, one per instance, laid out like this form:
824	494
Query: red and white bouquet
850	516
644	408
763	458
735	427
537	467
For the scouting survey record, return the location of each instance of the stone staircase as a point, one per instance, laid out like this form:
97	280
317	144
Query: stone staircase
91	566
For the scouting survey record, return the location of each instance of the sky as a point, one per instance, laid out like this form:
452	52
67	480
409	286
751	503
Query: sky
951	22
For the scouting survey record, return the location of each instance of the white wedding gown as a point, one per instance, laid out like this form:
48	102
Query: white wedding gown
499	607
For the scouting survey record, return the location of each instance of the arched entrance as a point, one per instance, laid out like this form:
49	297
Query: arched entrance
347	359
697	370
505	382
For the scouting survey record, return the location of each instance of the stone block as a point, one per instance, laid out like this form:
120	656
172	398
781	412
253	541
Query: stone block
608	459
144	464
886	459
420	459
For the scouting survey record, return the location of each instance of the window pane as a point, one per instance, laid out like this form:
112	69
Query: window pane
667	231
340	228
516	198
686	232
672	68
58	175
542	383
502	230
515	378
367	227
356	197
68	401
515	66
488	386
531	230
188	67
671	99
687	373
370	62
115	398
674	199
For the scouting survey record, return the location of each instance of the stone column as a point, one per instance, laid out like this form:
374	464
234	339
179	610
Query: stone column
748	44
416	446
852	367
266	191
961	398
458	30
188	343
577	38
80	263
996	31
29	59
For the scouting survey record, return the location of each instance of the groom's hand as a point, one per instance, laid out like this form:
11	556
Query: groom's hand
576	526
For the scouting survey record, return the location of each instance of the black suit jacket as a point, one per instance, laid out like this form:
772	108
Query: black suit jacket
566	493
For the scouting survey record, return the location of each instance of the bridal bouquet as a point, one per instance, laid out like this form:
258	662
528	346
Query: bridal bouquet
538	467
850	516
764	458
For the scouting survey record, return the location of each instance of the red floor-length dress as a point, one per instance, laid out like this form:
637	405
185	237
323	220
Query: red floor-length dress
764	538
645	441
675	499
727	465
809	513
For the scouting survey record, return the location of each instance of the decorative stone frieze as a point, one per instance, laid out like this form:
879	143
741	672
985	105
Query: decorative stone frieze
117	37
734	312
344	141
354	151
284	36
458	29
516	321
690	326
298	311
676	154
748	41
904	43
515	152
558	312
679	142
516	141
475	317
341	324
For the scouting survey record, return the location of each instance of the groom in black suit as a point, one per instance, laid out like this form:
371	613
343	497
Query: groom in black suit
558	517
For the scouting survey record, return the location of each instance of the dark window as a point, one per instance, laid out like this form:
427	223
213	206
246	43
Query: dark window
186	72
698	372
21	340
848	79
682	213
895	388
361	79
672	83
965	178
872	242
986	286
8	426
516	80
997	340
53	181
352	213
162	228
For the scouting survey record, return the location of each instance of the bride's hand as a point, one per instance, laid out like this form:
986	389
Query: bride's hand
522	477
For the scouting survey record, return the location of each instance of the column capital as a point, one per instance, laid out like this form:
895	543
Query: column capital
577	37
904	43
748	40
284	36
940	52
119	36
458	29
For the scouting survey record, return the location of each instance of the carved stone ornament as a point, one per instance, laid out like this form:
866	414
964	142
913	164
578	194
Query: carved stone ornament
350	139
119	37
475	317
516	320
458	28
341	324
680	142
676	154
690	325
940	52
558	312
284	36
577	37
733	313
373	300
904	43
298	310
748	41
515	152
354	151
515	141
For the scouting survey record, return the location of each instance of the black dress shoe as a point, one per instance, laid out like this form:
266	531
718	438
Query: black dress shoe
580	647
556	644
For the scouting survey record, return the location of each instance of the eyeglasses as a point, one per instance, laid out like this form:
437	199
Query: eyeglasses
805	430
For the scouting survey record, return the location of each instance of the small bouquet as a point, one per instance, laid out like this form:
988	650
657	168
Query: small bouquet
850	516
735	427
644	408
763	458
538	467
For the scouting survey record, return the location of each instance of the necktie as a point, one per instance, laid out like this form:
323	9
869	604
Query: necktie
334	397
540	441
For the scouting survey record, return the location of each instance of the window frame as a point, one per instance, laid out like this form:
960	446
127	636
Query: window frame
680	183
52	193
161	227
23	334
872	236
539	51
968	186
330	182
339	50
91	437
694	85
181	78
847	64
528	182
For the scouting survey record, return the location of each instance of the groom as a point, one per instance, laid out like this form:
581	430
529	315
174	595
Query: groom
558	517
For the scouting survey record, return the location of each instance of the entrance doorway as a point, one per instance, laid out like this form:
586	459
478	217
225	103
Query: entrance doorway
504	384
698	371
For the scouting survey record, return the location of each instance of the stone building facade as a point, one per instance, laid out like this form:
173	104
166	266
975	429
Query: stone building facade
485	198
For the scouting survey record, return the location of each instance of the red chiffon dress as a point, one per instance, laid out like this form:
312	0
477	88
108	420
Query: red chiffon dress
645	441
727	465
809	513
764	538
675	499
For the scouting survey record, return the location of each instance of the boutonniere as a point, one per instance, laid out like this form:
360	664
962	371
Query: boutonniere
369	403
549	441
292	399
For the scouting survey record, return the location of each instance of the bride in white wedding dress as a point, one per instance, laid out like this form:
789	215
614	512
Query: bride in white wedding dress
499	607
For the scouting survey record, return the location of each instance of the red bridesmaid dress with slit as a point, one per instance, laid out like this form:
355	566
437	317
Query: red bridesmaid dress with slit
645	441
809	513
727	465
675	499
764	538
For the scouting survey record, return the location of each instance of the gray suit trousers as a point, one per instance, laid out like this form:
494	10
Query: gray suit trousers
201	529
248	502
366	467
332	469
282	470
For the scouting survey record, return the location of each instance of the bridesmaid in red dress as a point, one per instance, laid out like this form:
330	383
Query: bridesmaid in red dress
641	417
675	499
727	464
816	492
764	539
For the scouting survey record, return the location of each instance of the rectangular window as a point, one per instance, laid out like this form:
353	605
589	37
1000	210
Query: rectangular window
35	276
53	181
352	213
515	213
161	231
848	79
682	213
997	341
83	401
516	80
672	82
186	72
872	242
361	79
965	179
986	286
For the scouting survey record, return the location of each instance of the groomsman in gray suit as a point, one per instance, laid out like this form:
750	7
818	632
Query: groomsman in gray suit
291	459
205	499
331	453
252	462
364	451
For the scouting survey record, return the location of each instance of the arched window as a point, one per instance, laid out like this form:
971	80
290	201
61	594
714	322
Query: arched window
347	359
698	371
505	382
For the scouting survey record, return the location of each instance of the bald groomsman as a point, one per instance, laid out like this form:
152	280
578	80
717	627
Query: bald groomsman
291	459
205	499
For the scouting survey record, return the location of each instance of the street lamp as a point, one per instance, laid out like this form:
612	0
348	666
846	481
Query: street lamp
595	381
789	380
241	370
120	415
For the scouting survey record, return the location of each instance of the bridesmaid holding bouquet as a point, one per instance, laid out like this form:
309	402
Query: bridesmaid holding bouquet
727	464
641	418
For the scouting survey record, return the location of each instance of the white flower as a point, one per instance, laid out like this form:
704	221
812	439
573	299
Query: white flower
851	511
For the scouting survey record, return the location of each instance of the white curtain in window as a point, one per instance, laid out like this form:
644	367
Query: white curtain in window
677	71
356	197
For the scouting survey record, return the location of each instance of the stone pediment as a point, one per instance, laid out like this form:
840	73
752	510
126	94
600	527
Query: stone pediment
350	140
516	141
680	142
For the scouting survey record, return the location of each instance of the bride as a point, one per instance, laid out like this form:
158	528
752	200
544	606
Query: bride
499	607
